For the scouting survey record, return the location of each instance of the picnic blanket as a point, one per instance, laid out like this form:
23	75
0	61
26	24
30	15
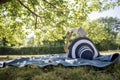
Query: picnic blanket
63	59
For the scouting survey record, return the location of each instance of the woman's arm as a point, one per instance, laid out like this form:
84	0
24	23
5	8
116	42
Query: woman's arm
67	43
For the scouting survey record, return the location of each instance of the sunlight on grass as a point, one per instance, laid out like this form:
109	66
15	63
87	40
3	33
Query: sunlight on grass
109	52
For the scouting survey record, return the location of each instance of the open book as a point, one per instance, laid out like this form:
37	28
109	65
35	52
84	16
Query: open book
80	31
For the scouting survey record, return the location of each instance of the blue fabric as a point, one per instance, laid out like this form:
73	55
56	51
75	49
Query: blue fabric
56	59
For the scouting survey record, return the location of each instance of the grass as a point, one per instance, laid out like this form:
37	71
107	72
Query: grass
60	73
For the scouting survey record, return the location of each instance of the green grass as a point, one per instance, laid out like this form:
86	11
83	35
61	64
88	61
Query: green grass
60	73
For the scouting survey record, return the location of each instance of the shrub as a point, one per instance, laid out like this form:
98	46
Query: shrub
31	50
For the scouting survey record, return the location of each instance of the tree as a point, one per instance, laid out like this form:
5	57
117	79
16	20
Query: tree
113	28
113	23
49	19
103	31
97	31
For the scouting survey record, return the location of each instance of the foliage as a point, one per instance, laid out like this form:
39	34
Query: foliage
99	34
60	73
118	39
113	29
11	28
48	19
113	23
103	32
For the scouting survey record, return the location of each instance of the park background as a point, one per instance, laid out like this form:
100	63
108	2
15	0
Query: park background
35	27
42	26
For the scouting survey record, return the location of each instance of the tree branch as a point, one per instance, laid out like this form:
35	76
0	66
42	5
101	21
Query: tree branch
4	1
28	8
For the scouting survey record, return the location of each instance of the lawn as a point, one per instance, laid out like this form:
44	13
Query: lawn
60	73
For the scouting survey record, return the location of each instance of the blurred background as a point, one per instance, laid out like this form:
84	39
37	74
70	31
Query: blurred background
42	26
